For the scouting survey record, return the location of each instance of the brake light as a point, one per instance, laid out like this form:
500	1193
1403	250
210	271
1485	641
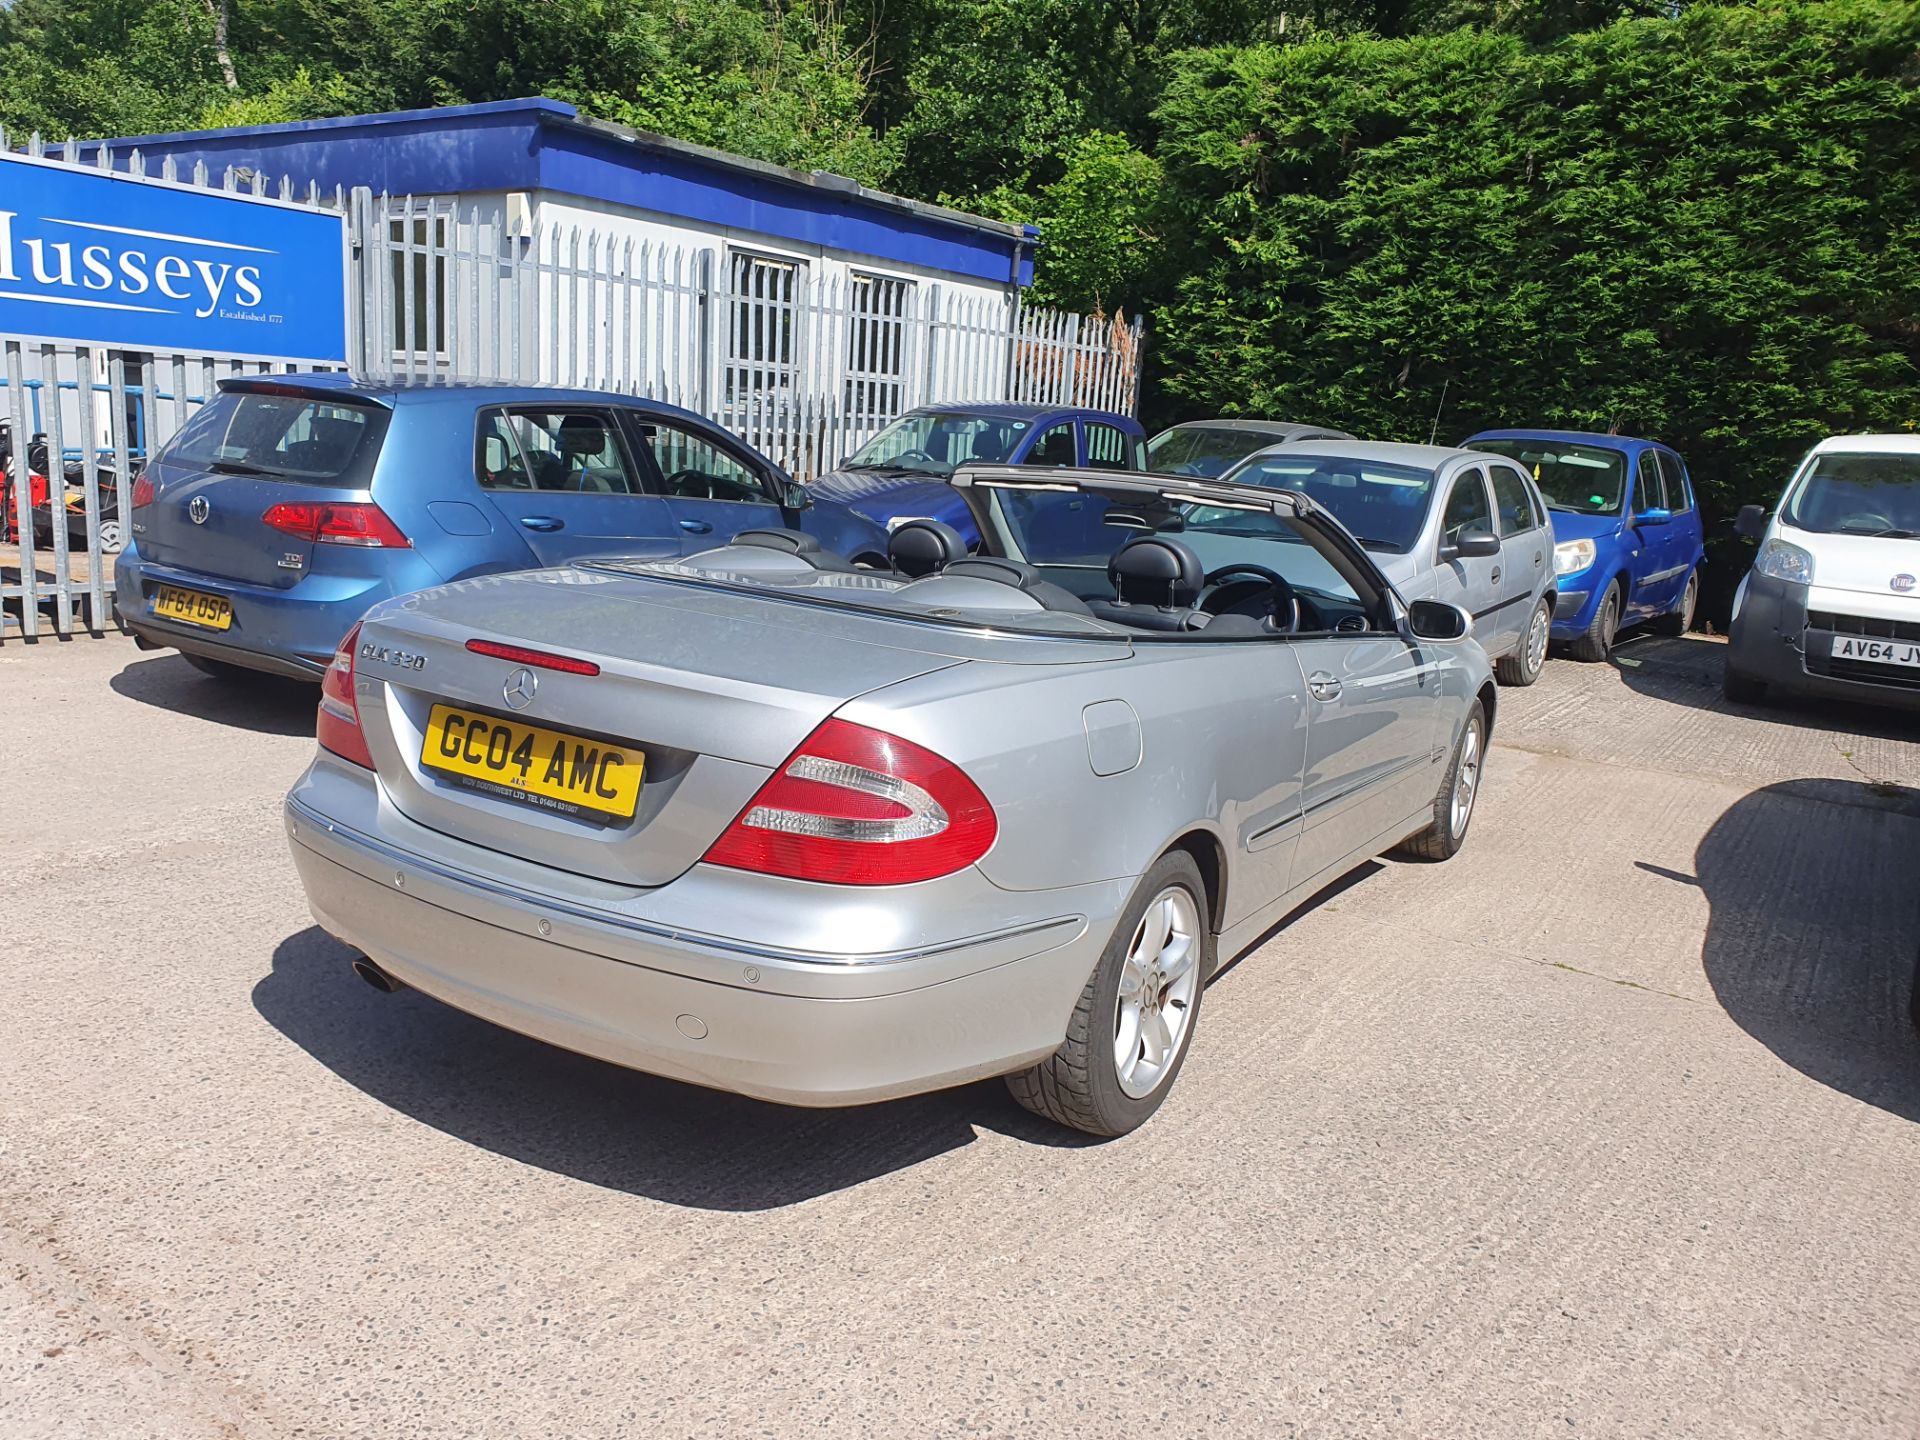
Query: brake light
539	659
338	724
142	490
855	806
348	523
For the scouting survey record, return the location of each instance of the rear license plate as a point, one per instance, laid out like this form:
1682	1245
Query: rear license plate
1876	652
191	607
550	769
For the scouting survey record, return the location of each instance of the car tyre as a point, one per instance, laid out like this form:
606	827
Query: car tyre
1740	687
1143	996
1679	620
1597	643
1459	790
1524	665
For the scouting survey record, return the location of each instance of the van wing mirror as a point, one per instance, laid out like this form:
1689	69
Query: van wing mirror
795	496
1751	521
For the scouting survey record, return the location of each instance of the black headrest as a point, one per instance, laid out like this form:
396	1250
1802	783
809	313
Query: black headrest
794	542
922	547
1153	570
581	435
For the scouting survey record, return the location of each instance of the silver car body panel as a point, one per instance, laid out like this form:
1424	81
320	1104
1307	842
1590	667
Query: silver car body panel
1500	592
1284	760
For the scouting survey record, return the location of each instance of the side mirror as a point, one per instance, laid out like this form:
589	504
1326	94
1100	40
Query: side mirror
1471	545
1437	620
795	496
1654	517
1751	521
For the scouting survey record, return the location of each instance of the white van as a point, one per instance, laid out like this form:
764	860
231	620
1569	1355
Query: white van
1832	604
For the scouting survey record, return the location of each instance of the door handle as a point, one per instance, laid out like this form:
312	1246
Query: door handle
1496	574
1323	686
696	527
542	522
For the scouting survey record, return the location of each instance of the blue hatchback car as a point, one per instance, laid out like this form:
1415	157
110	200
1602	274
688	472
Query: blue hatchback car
1628	542
901	473
290	504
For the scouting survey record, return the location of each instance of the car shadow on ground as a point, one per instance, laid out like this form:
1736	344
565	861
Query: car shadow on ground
1686	670
597	1122
1813	945
265	704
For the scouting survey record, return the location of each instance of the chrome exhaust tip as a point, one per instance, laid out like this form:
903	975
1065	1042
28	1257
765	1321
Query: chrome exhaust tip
376	977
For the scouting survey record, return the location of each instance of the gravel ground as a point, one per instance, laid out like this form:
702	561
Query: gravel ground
1610	1126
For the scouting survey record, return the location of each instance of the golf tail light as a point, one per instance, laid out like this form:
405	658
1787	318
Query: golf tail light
356	522
338	724
142	490
855	806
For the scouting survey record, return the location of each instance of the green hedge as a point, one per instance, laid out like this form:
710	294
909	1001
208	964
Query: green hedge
1704	229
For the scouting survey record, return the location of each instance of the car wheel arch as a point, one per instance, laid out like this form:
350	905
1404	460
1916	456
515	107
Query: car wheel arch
1211	858
1488	698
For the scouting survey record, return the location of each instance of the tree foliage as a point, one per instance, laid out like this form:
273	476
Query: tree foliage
1699	223
1704	229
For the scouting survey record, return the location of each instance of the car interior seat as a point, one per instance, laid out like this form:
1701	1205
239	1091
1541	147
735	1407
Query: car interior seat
1155	582
924	547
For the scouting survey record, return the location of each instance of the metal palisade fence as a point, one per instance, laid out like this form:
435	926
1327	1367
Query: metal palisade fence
76	423
805	366
803	361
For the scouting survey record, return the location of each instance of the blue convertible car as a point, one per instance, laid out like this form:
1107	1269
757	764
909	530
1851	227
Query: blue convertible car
1628	539
290	504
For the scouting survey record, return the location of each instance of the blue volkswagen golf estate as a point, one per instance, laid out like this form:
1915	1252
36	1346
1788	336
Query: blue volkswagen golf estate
1628	542
290	504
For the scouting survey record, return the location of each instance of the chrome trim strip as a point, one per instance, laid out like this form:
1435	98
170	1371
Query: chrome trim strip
1319	806
546	904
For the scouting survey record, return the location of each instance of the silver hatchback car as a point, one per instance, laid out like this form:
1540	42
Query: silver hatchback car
762	821
1456	525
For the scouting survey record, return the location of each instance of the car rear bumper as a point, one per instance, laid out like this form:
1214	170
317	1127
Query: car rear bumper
1774	640
628	977
291	631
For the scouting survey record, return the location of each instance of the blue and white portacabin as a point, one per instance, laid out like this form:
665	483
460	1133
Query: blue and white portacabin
1628	536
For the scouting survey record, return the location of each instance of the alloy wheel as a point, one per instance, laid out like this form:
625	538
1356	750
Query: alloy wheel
1158	983
1537	637
1466	780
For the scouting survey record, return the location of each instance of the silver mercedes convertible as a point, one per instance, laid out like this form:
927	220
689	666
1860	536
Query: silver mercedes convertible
760	820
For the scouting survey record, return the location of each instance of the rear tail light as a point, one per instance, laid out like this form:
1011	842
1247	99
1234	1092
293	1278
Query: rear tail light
142	490
539	659
348	523
854	806
338	724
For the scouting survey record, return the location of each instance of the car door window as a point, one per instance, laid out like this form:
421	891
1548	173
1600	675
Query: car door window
1054	447
570	451
1513	506
1679	491
1466	507
1108	447
1649	489
696	467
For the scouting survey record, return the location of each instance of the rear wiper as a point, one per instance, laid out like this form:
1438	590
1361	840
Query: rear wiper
238	467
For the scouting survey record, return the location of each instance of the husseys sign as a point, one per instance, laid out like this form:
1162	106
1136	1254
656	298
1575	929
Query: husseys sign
89	256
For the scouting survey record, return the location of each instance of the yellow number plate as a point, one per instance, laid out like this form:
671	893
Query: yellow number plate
211	612
548	768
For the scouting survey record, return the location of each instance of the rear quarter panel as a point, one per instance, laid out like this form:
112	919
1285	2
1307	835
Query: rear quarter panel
425	482
1222	746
